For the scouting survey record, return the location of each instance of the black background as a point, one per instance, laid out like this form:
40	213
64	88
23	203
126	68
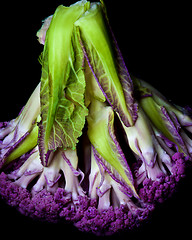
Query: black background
155	42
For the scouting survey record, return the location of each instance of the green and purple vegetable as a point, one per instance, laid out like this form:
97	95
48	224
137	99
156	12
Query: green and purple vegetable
93	145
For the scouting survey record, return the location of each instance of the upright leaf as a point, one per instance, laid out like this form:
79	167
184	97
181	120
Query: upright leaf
161	115
62	83
106	62
106	147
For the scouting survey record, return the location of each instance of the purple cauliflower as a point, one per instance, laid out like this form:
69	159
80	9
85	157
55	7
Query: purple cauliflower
92	146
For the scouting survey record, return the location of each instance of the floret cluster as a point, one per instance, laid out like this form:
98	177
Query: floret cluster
59	206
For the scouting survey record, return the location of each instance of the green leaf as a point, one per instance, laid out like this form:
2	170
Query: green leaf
62	83
160	113
92	88
28	143
105	60
102	137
